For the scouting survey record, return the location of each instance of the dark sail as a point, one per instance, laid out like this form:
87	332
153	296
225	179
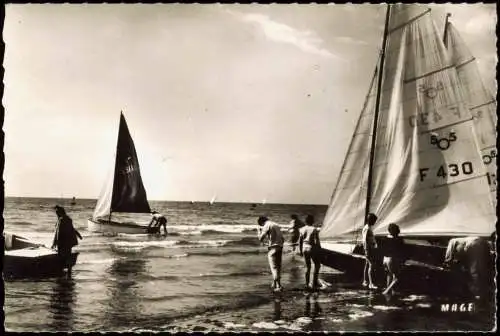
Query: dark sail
129	194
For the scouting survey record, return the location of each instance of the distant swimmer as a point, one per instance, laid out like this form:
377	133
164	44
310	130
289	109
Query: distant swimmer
65	237
272	231
157	221
309	247
295	225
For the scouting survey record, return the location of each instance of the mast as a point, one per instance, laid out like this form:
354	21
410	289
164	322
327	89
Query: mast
377	108
446	29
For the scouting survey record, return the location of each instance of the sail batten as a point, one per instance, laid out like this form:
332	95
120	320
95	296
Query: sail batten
428	174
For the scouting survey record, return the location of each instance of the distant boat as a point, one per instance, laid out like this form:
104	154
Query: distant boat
212	201
264	201
414	158
73	201
25	258
124	192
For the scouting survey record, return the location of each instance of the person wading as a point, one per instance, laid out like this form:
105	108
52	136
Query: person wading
309	247
65	237
272	231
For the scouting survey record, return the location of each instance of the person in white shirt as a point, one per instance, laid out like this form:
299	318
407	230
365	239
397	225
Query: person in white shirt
272	231
309	247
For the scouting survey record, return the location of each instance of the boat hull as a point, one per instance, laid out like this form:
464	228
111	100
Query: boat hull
416	275
24	258
114	228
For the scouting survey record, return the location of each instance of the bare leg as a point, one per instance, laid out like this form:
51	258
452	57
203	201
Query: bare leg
317	266
370	275
365	273
307	259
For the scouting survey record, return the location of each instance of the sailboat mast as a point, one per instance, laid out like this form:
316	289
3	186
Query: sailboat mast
377	108
446	29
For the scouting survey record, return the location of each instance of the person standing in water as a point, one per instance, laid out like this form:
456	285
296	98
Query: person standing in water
65	237
272	231
394	257
370	247
309	247
157	221
295	225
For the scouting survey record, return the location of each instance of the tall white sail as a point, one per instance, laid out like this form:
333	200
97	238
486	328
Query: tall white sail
428	175
482	103
347	205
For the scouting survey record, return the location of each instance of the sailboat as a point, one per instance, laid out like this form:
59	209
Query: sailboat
212	201
124	192
73	201
414	158
482	103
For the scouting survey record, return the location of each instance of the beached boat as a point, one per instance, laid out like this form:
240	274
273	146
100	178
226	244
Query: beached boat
415	158
25	258
124	192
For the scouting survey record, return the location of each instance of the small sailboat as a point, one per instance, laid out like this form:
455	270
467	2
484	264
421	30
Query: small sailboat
73	201
212	201
124	192
415	158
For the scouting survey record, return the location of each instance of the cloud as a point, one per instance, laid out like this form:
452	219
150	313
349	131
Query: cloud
350	40
307	41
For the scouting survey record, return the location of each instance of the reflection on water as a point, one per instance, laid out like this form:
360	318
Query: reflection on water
123	305
62	301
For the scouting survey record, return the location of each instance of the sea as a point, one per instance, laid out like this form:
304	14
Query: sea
209	274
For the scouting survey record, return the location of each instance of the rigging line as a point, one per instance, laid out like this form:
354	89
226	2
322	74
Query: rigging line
406	81
488	147
487	103
465	63
448	125
455	182
409	21
446	29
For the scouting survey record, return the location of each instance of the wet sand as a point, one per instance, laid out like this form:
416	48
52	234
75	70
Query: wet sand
337	309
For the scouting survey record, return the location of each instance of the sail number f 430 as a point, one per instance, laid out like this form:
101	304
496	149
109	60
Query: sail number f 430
451	170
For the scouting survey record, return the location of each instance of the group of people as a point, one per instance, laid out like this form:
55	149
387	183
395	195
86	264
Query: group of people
306	236
394	255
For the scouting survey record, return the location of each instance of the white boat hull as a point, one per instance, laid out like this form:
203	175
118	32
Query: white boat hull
114	228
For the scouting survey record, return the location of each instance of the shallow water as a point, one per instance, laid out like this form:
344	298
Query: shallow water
211	268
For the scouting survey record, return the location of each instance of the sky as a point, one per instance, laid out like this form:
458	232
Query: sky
246	102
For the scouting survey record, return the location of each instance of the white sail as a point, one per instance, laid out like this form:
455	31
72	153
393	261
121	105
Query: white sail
103	206
481	102
212	201
428	175
347	205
